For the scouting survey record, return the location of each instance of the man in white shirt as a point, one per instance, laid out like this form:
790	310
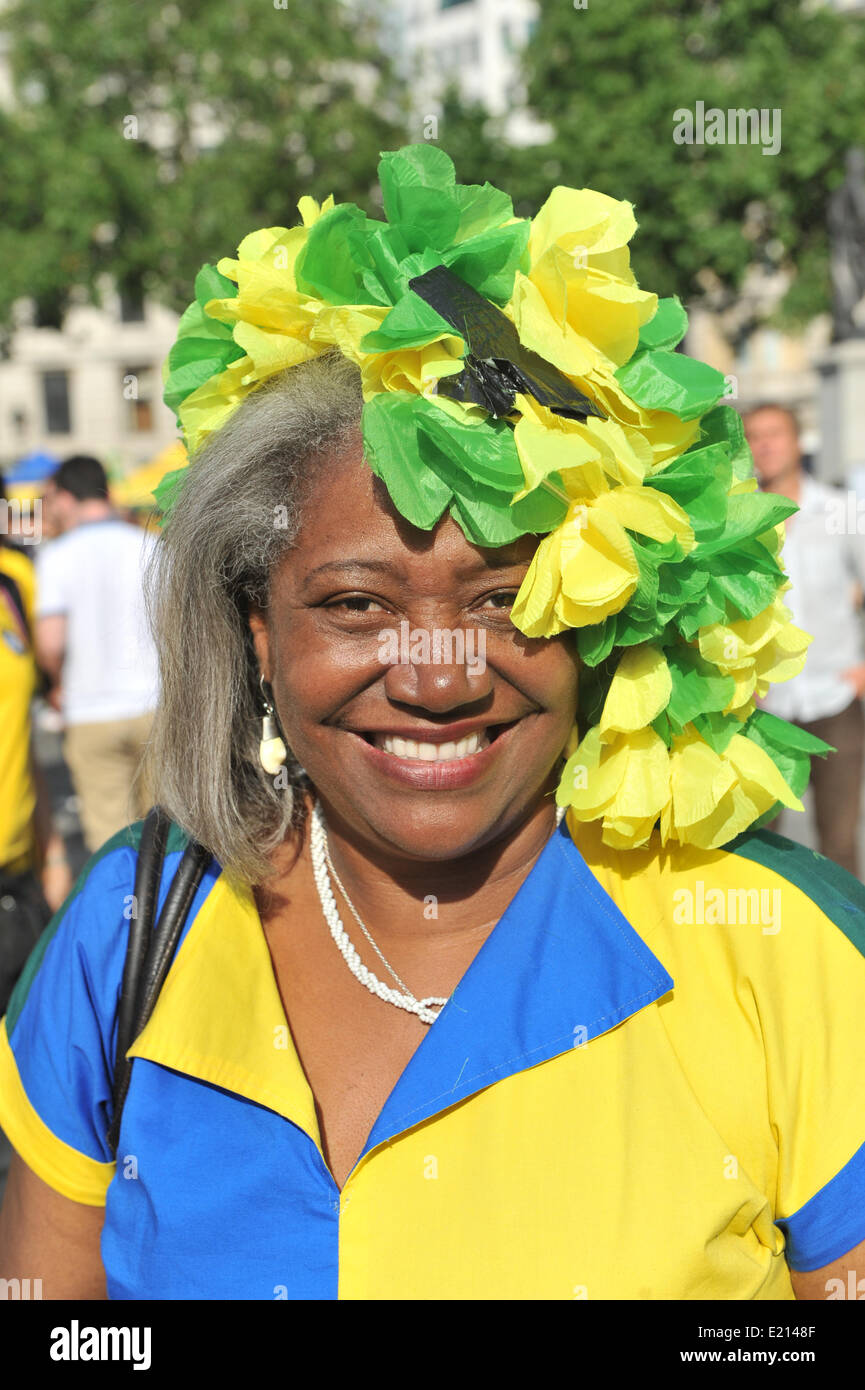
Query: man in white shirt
824	557
92	638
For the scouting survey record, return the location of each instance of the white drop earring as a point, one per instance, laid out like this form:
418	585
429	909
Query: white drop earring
271	750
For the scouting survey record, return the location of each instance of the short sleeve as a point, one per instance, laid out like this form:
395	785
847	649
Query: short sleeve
57	1039
52	589
811	996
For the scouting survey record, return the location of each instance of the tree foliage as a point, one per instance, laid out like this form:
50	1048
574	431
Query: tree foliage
146	139
608	79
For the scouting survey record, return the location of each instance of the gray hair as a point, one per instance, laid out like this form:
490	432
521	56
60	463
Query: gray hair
236	513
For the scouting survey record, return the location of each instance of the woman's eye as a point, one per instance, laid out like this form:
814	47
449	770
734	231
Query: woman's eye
355	603
503	600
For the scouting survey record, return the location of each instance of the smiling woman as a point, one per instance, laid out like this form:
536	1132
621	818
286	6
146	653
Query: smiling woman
435	990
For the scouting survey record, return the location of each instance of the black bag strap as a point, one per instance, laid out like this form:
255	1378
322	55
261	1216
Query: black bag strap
150	949
8	584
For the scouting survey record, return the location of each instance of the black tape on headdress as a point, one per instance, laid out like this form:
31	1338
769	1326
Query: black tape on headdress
497	365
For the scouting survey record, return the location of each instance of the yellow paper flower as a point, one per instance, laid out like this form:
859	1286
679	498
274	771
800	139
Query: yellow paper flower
549	443
663	435
638	692
756	652
702	798
586	569
625	783
271	320
580	306
211	405
408	369
666	435
715	796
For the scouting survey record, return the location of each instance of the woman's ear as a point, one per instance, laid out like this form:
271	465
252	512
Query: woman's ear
261	641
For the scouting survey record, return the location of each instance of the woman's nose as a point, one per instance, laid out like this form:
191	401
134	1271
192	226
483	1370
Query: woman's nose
438	668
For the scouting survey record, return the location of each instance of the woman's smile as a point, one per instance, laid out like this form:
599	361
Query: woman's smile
435	759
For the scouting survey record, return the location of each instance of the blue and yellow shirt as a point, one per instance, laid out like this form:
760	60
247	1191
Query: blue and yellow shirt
649	1084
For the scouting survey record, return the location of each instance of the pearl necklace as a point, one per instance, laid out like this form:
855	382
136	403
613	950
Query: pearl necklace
322	869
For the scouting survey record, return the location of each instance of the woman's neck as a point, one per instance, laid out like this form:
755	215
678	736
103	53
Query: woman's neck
433	900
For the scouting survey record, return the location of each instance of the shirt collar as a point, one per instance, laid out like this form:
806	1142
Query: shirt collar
813	495
561	967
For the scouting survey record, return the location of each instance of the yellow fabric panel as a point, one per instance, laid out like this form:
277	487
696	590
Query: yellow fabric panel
22	569
69	1172
222	975
17	686
528	1186
781	988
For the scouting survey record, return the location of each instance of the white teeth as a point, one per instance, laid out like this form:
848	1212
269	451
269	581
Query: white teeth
432	752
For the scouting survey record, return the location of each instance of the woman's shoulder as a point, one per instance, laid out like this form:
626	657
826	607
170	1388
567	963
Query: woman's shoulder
90	930
56	1044
761	896
765	943
58	1040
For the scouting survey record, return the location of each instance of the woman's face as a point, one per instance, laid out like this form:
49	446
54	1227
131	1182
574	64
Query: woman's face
424	719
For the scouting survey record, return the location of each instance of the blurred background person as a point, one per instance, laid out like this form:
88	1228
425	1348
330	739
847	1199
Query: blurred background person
93	642
34	872
826	566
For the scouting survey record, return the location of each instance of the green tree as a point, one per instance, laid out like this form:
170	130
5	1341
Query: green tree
607	80
144	140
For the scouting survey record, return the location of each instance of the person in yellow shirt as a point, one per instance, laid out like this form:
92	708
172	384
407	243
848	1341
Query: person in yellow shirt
34	874
491	986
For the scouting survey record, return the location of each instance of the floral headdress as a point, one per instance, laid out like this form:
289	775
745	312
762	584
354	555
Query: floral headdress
515	375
